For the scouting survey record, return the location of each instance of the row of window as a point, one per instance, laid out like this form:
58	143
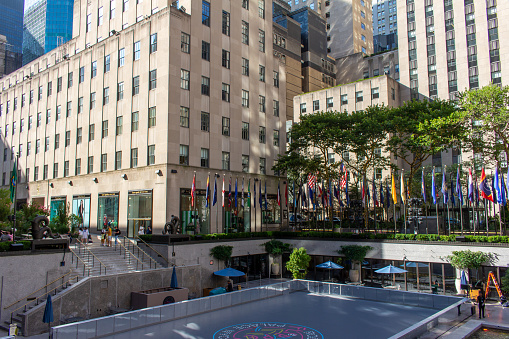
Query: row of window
205	14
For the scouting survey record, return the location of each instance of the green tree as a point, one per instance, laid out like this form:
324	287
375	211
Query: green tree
62	222
276	247
505	283
468	259
5	204
26	215
299	260
222	253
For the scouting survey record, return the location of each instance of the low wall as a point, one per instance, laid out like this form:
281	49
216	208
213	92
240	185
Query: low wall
93	297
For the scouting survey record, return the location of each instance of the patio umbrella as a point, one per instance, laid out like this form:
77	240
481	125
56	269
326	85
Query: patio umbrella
330	266
391	270
414	264
47	317
174	282
464	281
229	272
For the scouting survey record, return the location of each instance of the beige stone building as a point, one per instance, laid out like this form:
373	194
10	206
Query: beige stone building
359	66
118	121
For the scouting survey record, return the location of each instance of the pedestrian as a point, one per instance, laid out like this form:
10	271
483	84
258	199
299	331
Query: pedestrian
141	230
109	236
229	286
480	304
117	233
80	234
85	235
5	237
103	236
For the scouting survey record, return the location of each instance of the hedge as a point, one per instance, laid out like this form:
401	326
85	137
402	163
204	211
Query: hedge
6	245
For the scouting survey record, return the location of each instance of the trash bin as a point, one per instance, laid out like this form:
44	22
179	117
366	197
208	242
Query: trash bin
16	247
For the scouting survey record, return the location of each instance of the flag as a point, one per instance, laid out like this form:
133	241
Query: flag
303	200
493	187
207	196
347	197
382	202
363	192
375	198
14	180
387	196
193	189
444	190
453	201
230	192
459	191
423	186
433	187
344	179
254	193
266	195
368	195
330	193
278	195
242	201
214	198
236	193
484	189
311	180
470	186
311	196
249	193
286	194
403	191
503	189
222	194
260	198
394	194
497	187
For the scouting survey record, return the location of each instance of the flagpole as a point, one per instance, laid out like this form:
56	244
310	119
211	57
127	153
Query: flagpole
15	196
436	205
460	201
499	202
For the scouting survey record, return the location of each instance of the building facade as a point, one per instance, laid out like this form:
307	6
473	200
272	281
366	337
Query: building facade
47	24
385	25
452	45
358	66
145	100
11	26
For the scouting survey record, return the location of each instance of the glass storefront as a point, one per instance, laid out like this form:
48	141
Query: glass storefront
195	220
237	219
107	209
81	208
271	214
139	212
55	205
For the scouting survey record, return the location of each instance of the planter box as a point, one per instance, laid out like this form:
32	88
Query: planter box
158	297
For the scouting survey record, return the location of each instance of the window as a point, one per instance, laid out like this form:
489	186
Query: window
57	116
136	85
226	23
121	57
30	122
29	148
67	138
31	100
225	60
59	89
245	66
276	138
184	155
245	98
358	96
275	76
22	124
36	173
225	126
316	105
152	79
134	157
262	73
261	9
46	146
77	169
184	79
261	103
185	40
263	166
120	91
184	116
204	157
226	161
205	85
393	94
205	50
37	146
330	102
94	69
100	15
261	135
303	108
125	5
82	75
205	121
225	93
152	117
245	4
205	13
118	160
79	135
90	167
134	121
48	119
261	41
137	52
245	33
91	132
92	100
275	107
55	170
151	155
119	125
245	130
153	43
374	93
245	163
107	63
80	105
104	162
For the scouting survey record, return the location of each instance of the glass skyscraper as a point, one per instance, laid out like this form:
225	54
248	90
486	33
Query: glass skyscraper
11	25
44	22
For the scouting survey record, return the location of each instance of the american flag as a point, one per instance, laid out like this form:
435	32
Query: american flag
311	180
343	179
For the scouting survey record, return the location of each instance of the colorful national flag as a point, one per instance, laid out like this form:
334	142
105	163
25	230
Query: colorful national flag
14	181
266	195
459	191
222	192
278	195
230	192
249	193
311	180
453	201
214	198
207	195
423	186
393	190
375	198
260	199
193	189
484	189
403	191
503	189
347	196
493	187
344	179
382	202
433	187
236	193
497	187
242	200
471	192
387	196
445	192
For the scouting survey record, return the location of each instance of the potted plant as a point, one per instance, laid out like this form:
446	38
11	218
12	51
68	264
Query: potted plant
222	253
275	249
356	254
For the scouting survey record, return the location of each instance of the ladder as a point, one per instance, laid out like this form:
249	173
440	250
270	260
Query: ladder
491	276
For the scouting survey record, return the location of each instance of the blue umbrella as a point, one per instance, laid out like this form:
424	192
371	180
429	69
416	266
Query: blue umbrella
48	312
330	265
415	264
390	270
174	283
464	281
229	272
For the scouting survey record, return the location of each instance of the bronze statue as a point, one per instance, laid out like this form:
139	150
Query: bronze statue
38	231
172	227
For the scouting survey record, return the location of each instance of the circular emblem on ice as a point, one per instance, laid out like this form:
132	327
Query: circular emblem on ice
263	330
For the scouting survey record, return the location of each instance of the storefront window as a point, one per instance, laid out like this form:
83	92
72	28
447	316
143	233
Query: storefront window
237	219
272	211
107	209
81	208
196	219
139	215
56	203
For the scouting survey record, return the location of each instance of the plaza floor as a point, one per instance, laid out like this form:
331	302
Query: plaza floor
306	315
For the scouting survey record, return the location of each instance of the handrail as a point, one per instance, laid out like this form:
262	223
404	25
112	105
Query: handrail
140	249
135	257
90	252
85	266
17	301
37	299
153	249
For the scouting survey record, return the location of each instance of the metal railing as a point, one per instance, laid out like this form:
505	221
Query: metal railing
88	252
153	249
129	255
78	259
137	249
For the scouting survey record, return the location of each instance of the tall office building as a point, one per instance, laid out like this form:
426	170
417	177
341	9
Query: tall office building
148	99
46	25
348	22
385	25
452	45
11	26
